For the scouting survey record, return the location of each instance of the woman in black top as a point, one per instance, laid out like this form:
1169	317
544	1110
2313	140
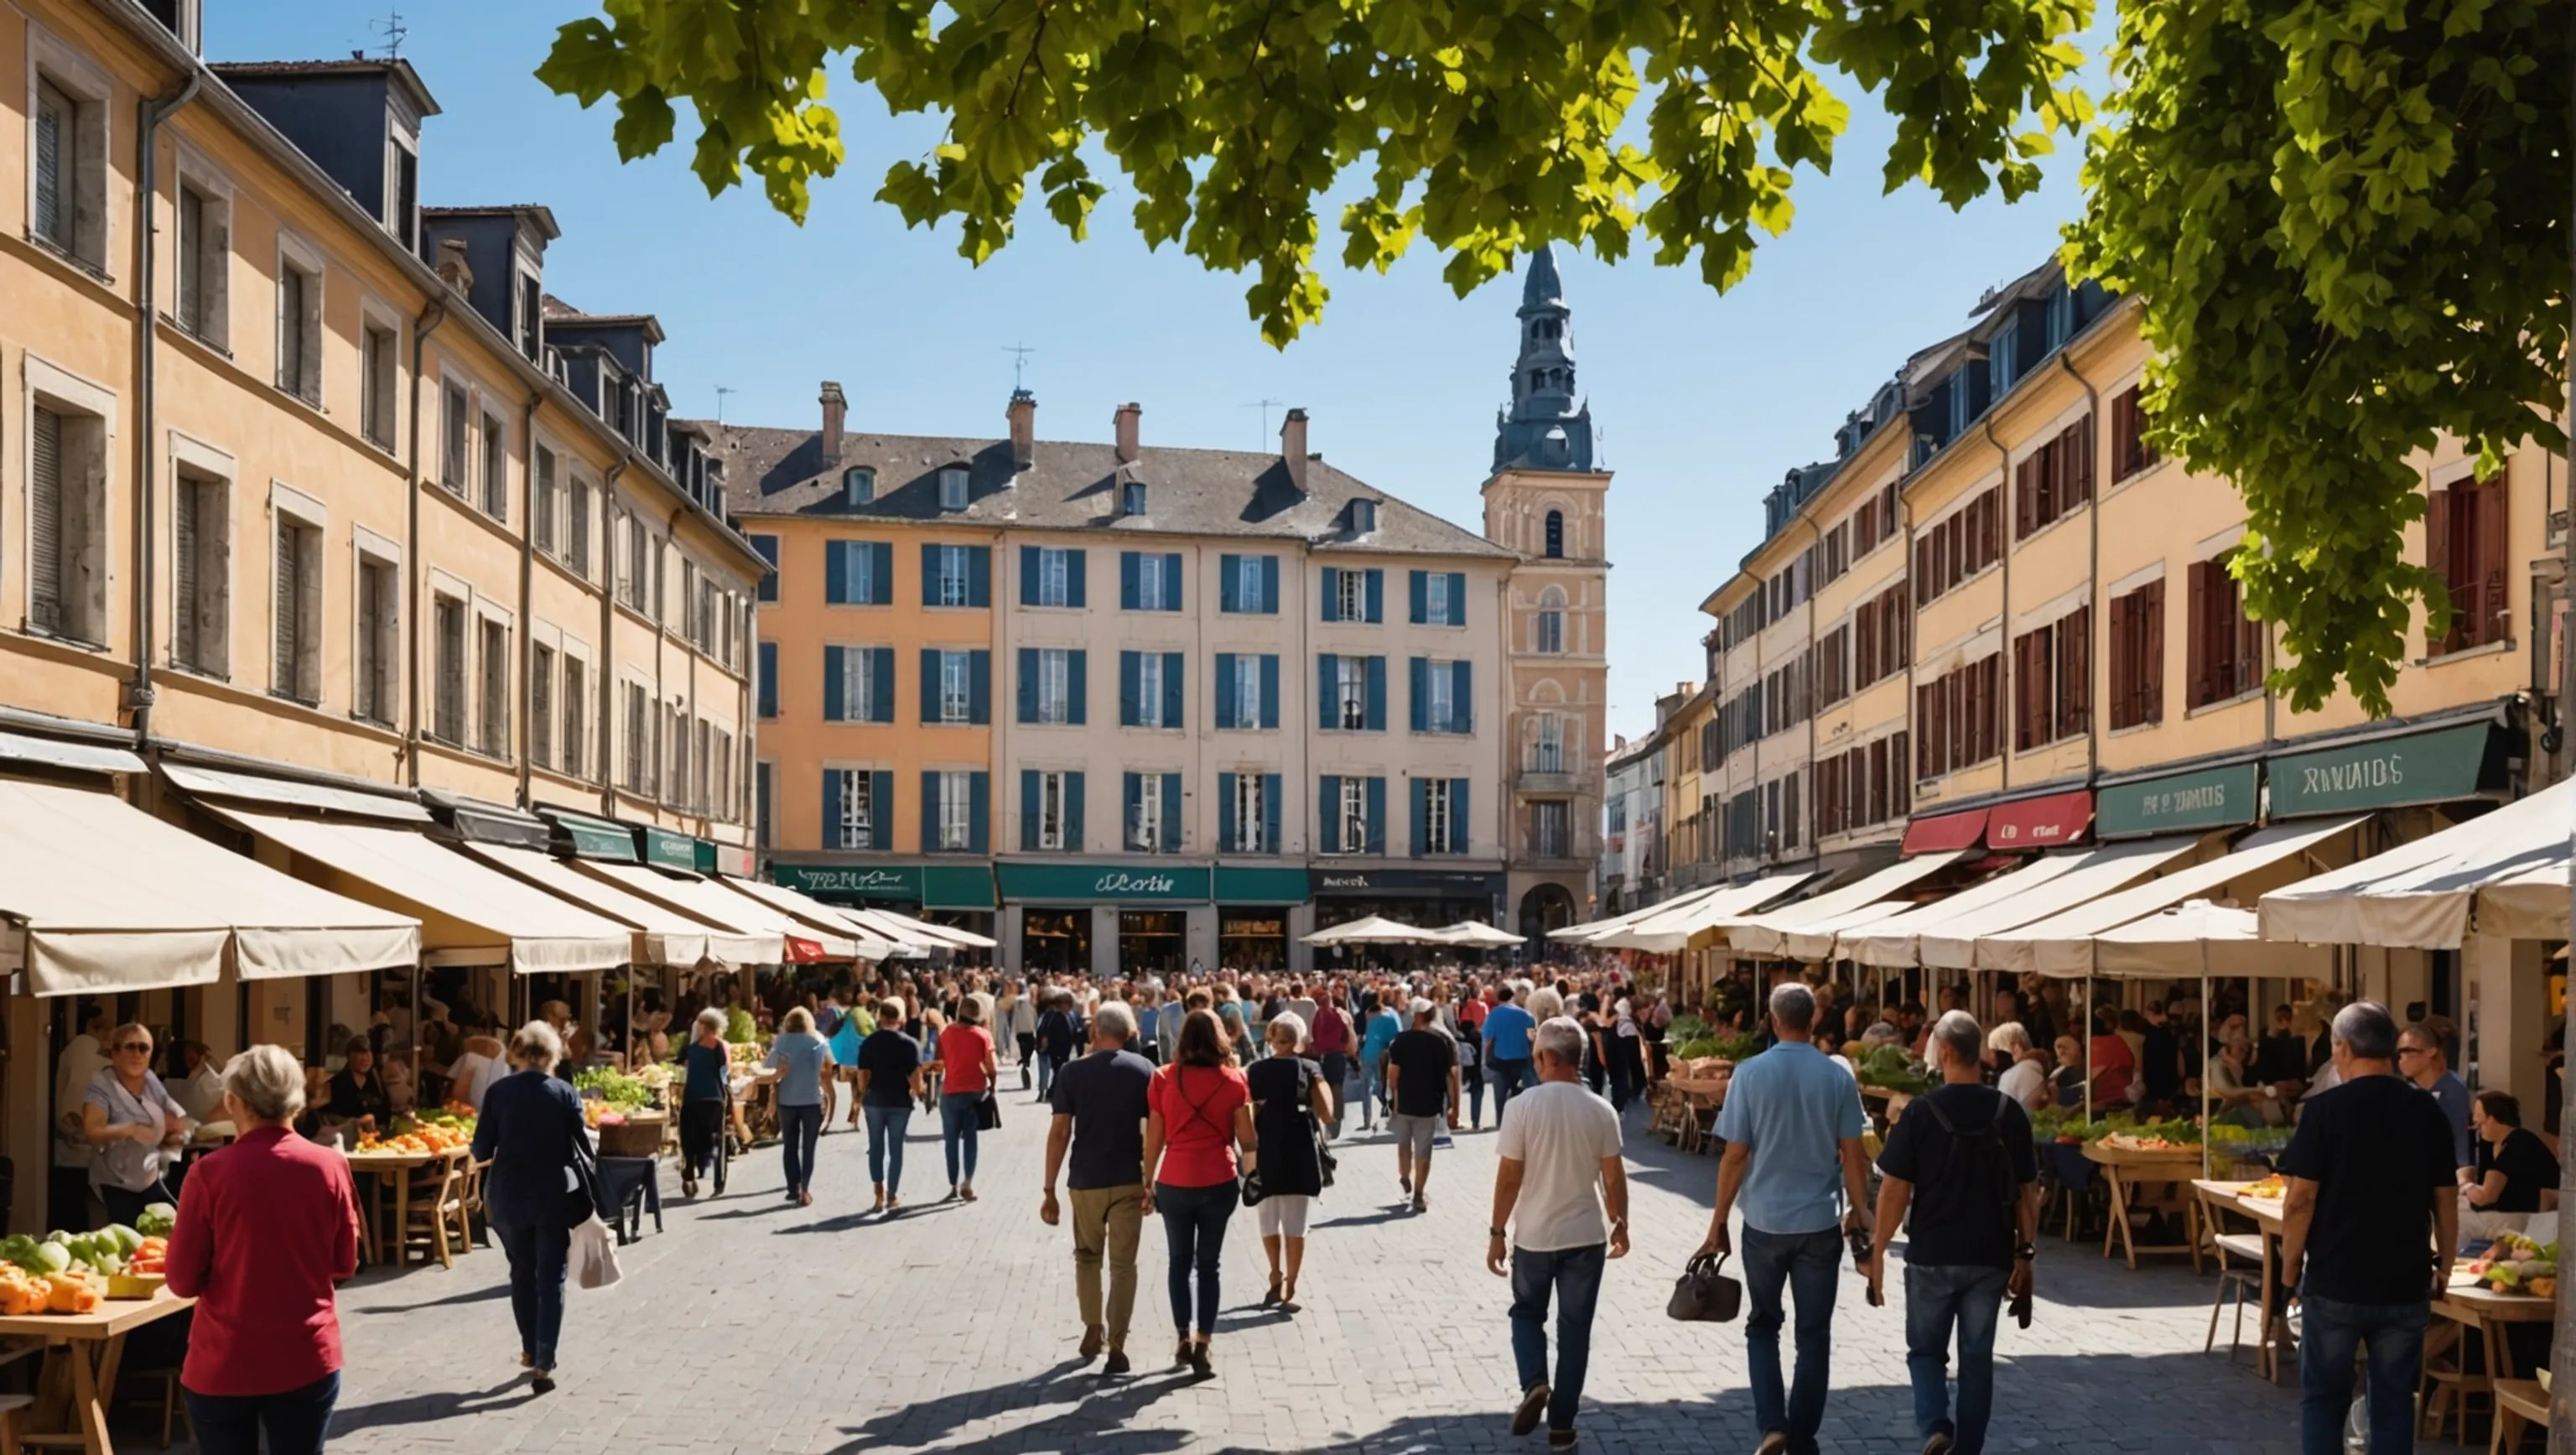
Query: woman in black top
889	1074
358	1092
1290	1104
2516	1174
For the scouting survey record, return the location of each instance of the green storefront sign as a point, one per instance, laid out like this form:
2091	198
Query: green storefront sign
594	838
1260	886
932	886
2439	766
1103	883
665	849
2210	798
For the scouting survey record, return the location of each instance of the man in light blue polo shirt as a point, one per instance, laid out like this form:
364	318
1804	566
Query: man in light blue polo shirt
1508	1029
1792	1125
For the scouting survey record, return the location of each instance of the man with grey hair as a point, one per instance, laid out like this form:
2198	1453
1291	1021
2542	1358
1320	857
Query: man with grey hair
1962	1159
1099	1104
1792	1126
2368	1228
1559	1164
1422	1081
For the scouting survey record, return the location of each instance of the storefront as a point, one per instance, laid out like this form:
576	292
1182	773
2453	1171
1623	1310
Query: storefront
2448	764
1428	898
1252	908
2043	821
1152	941
2197	800
960	895
1103	919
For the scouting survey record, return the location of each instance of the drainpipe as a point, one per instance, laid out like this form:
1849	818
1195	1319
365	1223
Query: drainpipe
2093	613
606	671
421	328
1914	730
139	693
527	586
2003	550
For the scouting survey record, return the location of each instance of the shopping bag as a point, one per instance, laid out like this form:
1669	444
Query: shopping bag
1704	1294
594	1255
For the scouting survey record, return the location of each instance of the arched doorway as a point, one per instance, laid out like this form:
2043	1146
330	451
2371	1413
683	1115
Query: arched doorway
1546	907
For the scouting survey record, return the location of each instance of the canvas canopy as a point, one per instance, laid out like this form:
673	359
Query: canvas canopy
2493	873
662	936
1372	930
790	942
871	945
2200	938
1476	935
1952	944
1790	930
1679	929
1586	932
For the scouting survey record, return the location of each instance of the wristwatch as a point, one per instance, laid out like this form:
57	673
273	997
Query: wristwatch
2026	1252
1495	1232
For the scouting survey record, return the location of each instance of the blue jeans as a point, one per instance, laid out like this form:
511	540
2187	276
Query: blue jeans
1509	1076
886	1126
1574	1276
1194	1220
1808	1264
537	1253
1372	1086
2332	1332
1048	1065
1936	1298
798	1128
1472	1081
229	1424
957	1128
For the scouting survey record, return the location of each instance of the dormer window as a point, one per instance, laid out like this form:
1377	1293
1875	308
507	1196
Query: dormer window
1363	517
952	487
1131	498
858	485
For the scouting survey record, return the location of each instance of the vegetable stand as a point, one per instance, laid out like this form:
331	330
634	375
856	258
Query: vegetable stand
81	1354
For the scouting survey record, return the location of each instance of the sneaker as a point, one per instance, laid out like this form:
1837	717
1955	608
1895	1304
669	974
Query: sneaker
1562	1439
1092	1338
1117	1363
1937	1443
1533	1407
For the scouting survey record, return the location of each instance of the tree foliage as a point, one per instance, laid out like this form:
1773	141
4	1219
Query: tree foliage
1484	128
2349	221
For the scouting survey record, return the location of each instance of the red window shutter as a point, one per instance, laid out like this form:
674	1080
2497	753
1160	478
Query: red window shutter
2120	437
1926	712
2078	443
2495	546
2124	665
2442	561
2075	671
2024	700
1922	570
2196	664
2025	497
2151	656
1993	502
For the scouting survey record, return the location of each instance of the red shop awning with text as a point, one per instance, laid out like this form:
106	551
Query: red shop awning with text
1945	834
2040	823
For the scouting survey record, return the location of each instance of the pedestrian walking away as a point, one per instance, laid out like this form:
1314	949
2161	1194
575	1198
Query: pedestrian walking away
1023	1018
965	1067
1792	1125
529	1124
707	1070
1962	1162
2369	1227
1059	1035
1422	1081
1329	1032
1380	1026
1292	1104
1201	1118
890	1082
1507	1031
1101	1105
799	1061
1559	1172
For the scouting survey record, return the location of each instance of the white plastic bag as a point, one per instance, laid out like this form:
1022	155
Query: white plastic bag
594	1255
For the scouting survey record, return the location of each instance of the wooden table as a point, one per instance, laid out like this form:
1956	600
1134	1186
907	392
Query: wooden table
2266	1214
397	1168
1691	1096
92	1344
2127	1167
2487	1313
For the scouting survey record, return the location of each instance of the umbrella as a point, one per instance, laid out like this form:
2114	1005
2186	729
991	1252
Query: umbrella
1477	935
1373	930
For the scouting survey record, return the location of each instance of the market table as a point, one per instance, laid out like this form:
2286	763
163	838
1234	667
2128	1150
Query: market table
395	1167
2266	1213
2126	1167
2489	1315
91	1344
1691	1096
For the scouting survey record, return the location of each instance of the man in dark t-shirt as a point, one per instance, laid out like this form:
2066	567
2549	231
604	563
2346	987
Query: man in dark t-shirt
1099	1104
1963	1161
2368	1229
1422	1069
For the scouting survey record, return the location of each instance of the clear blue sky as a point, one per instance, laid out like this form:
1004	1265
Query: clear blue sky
1703	402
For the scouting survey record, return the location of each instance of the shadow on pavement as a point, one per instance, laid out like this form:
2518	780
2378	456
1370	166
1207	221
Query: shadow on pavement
420	1408
479	1295
1095	1425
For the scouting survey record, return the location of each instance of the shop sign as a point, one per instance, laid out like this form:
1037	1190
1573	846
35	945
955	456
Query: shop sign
1260	886
2432	767
2047	822
1421	883
594	838
1110	883
2211	798
1252	929
731	860
851	881
956	886
664	849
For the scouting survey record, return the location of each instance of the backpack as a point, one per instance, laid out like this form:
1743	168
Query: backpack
1985	1145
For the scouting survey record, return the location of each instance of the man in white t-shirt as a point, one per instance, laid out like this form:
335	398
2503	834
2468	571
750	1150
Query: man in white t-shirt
1559	1146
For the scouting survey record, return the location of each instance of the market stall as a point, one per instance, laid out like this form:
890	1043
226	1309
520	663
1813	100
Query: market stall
871	944
1802	931
1667	931
795	943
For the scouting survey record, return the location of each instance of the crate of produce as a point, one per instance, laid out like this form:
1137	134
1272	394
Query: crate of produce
638	1135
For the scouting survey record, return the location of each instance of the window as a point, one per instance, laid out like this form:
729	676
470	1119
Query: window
2130	451
200	573
1350	824
541	511
1957	718
2054	480
1149	690
1443	822
577	530
855	816
1555	534
1248	585
1549	835
295	665
1350	596
858	485
203	256
703	783
1247	697
67	143
1247	582
675	788
576	717
639	739
532	317
2469	544
1152	812
952	487
1350	693
2053	681
447	714
1249	823
639	563
299	327
956	687
1054	685
1830	666
2225	650
376	388
1548	629
1157	581
1441	689
496	468
957	810
1862	788
402	208
379	639
1131	497
1363	517
455	431
952	581
2138	656
767	546
857	573
1051	587
1882	634
1958	546
1550	754
66	535
1054	822
492	735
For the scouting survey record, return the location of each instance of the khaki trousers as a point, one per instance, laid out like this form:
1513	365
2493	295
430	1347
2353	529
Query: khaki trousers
1107	1220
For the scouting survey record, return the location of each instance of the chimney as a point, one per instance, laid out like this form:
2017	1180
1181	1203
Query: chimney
834	409
1127	416
1292	447
1023	414
452	268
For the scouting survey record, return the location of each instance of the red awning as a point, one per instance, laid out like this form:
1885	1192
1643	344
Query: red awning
801	951
2041	823
1945	834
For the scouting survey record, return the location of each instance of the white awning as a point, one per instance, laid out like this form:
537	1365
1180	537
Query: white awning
662	936
1590	930
720	906
789	902
287	793
1677	929
913	931
1476	935
2199	938
99	896
470	913
1790	931
1894	941
60	753
1952	944
2491	873
1372	930
2062	944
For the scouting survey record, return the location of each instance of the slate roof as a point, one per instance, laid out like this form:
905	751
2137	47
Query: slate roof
1073	486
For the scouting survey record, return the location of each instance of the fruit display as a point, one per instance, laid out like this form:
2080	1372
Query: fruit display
2516	1264
24	1293
68	1273
157	1221
423	1139
614	1089
2270	1189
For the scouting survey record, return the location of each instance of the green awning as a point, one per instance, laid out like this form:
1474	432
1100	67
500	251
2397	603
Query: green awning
2438	765
2205	798
591	838
956	886
667	848
1260	886
931	886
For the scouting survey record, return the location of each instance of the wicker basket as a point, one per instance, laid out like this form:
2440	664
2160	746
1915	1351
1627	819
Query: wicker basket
639	1136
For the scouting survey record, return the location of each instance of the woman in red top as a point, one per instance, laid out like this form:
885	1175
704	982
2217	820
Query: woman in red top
266	1227
965	1067
1199	1112
2113	1067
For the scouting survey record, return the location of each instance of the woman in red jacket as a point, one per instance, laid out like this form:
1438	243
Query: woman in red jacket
1199	1113
266	1227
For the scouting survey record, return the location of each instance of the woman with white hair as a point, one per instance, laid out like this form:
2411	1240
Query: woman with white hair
1290	1104
2025	1080
528	1133
266	1227
707	1070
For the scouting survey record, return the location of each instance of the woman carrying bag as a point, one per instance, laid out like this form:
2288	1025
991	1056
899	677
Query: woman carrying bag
540	1188
1291	1106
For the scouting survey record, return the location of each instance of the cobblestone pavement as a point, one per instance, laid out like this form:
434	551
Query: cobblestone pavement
750	1325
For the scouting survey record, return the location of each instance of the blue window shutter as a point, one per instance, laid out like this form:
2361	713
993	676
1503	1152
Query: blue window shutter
979	813
1131	801
1462	697
831	808
1172	833
1376	704
883	592
1126	580
1225	813
1328	814
979	687
929	813
881	810
1327	678
1172	581
835	582
1073	812
1376	804
1270	813
769	679
1028	809
1457	598
834	708
882	710
1127	710
1028	575
768	548
1227	572
1418	591
1458	815
1026	693
1418	680
1421	817
1077	687
1332	594
979	576
1175	705
929	575
1076	591
1270	585
1376	596
930	684
1225	670
1270	689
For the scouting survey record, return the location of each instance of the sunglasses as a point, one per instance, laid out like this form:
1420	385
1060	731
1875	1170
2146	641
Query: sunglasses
143	1046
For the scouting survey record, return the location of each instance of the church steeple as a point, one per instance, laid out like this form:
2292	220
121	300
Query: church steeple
1544	427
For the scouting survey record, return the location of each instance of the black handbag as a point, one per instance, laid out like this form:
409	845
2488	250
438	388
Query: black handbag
988	1112
1704	1294
1253	1191
1325	1165
582	1201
